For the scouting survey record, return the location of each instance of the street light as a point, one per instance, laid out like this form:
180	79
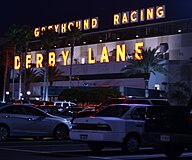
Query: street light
7	92
28	93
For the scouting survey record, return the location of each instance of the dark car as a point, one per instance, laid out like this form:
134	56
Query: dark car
151	101
58	111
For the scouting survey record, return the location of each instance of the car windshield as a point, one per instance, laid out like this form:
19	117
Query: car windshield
113	111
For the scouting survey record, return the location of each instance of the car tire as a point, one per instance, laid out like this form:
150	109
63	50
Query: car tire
172	151
4	132
61	132
95	147
131	144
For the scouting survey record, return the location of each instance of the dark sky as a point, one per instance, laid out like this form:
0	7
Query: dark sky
38	13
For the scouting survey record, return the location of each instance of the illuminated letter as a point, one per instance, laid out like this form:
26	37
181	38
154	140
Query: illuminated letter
51	59
134	16
116	19
50	27
36	32
39	60
125	18
160	12
142	14
90	54
17	63
94	23
56	26
120	53
28	61
79	24
86	25
150	13
65	57
70	24
138	46
43	29
104	56
63	28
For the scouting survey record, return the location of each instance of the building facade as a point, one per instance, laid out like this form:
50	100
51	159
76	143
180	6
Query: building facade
100	55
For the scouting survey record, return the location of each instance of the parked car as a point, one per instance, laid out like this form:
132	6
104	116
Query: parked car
86	112
151	101
64	104
27	121
17	101
116	124
41	102
58	111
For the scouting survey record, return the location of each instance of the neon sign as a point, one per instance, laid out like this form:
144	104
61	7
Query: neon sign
138	15
120	56
133	16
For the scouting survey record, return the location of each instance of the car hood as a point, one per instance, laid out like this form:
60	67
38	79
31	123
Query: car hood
58	117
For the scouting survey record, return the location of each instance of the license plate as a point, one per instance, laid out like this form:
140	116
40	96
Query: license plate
83	137
165	138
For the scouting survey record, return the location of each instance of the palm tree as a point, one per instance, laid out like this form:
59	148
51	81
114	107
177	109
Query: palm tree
151	62
48	39
28	35
72	36
53	73
32	75
181	93
19	36
6	62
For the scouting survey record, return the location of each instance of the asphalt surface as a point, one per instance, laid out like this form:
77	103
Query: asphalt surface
26	149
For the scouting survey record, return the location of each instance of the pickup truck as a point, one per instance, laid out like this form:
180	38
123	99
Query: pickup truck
169	128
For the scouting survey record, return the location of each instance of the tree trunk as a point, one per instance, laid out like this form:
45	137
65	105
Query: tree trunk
146	88
71	65
20	75
24	62
47	84
44	84
146	79
46	75
5	76
13	77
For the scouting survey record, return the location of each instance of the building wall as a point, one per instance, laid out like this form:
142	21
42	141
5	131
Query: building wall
179	53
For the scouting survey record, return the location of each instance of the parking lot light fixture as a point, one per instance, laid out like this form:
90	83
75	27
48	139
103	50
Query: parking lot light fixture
28	93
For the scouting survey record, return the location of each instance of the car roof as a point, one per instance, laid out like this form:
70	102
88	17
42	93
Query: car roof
130	105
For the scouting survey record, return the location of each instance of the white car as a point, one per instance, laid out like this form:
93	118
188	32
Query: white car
118	124
26	121
64	104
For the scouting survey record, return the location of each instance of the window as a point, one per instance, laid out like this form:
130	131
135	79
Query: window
139	113
33	111
12	110
113	111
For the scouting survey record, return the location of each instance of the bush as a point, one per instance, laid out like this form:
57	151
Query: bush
88	95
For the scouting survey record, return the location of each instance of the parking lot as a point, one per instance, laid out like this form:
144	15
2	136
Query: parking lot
48	150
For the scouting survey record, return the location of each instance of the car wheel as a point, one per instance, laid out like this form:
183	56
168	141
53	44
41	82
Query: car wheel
95	147
131	144
61	132
172	151
4	132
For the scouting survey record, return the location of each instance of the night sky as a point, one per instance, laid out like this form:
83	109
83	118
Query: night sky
37	13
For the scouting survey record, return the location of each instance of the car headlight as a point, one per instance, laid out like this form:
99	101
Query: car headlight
103	127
